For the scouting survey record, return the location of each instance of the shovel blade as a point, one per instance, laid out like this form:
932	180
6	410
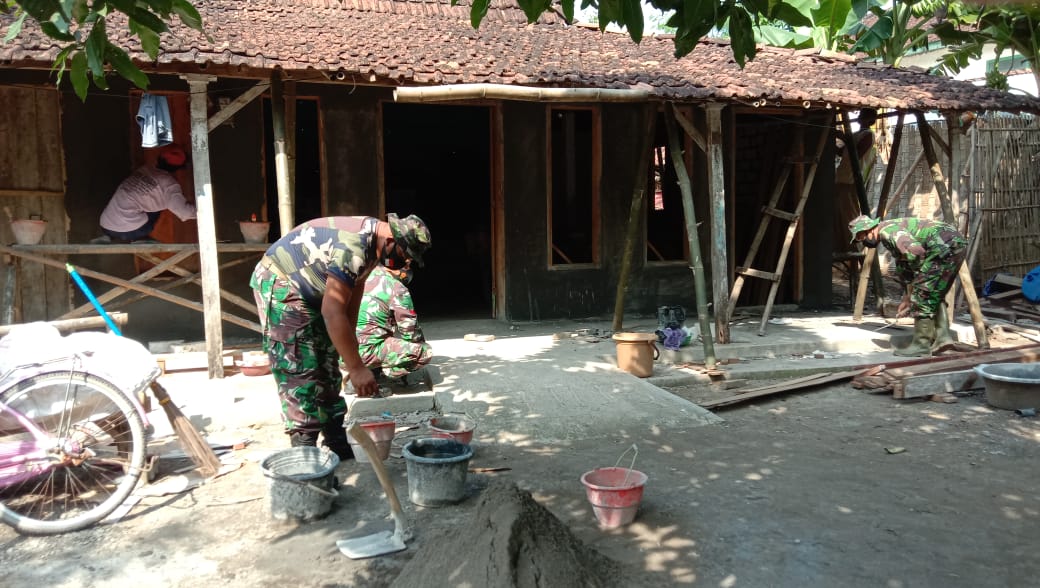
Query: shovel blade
371	545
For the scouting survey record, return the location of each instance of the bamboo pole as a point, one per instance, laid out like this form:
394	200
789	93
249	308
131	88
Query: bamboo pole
689	214
286	216
870	256
944	199
90	322
635	214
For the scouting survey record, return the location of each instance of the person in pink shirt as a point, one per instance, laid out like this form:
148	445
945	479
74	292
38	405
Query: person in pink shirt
135	207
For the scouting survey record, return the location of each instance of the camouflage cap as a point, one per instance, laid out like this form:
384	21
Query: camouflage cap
411	233
861	223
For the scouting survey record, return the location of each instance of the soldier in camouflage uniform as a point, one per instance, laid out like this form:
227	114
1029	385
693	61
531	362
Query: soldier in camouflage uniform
308	288
389	336
928	255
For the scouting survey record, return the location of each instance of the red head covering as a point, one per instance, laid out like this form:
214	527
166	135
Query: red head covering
173	155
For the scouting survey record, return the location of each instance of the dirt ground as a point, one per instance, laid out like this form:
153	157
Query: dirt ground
830	487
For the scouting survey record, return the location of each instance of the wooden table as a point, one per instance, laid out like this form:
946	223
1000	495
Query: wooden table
55	256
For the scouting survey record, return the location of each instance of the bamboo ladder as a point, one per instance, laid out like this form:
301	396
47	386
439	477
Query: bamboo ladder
770	212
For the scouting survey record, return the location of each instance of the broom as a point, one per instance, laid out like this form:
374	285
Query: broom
191	441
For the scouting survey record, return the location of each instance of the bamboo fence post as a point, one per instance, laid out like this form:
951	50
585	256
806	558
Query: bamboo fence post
870	256
944	199
697	265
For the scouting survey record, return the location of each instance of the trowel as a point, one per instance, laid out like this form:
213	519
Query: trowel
383	542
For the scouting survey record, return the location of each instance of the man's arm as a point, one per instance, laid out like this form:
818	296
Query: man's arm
404	314
175	201
339	308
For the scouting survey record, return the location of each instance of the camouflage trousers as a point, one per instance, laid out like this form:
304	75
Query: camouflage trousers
396	357
935	278
304	362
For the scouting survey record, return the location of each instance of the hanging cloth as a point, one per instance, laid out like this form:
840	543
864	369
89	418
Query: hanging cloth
154	118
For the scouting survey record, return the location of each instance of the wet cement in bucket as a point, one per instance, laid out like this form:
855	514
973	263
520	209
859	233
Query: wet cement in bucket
513	542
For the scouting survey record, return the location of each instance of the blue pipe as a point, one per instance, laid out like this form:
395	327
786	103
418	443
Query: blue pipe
90	296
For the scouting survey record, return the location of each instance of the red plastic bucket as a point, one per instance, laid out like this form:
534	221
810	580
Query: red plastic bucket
453	427
382	434
615	494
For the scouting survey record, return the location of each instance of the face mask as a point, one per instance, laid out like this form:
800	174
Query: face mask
872	243
390	258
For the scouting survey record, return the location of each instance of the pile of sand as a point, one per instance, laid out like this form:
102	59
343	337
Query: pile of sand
513	542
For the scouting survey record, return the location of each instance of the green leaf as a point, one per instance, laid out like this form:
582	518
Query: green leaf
778	37
149	20
15	27
52	31
632	15
79	10
40	10
149	39
97	42
189	15
796	14
533	8
78	75
568	9
742	36
477	12
125	67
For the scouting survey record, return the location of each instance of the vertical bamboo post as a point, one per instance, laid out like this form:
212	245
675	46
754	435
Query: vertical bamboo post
870	256
286	220
697	265
947	208
208	261
635	213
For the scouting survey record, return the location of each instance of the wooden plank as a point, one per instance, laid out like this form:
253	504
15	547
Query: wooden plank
206	222
1026	355
781	389
235	105
947	382
717	228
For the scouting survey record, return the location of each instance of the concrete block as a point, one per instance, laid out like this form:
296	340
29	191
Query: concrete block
395	404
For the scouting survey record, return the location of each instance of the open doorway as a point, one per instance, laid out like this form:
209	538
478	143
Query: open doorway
437	164
308	200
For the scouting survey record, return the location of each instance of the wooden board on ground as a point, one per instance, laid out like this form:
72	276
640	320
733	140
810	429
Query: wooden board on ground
930	384
782	388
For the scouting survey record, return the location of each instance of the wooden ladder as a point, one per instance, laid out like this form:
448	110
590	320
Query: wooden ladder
770	212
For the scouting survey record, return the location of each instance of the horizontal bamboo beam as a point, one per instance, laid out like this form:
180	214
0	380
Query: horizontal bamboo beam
90	322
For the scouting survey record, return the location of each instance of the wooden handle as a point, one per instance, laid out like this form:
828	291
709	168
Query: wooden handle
361	436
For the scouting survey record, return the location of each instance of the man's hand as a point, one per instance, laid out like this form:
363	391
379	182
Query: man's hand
364	382
904	307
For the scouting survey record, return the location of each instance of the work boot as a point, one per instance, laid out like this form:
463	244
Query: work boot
335	438
944	339
420	377
303	439
924	335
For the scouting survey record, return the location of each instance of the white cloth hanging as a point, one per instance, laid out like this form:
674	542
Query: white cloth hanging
154	118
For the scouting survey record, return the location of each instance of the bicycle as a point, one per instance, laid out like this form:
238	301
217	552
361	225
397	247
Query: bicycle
72	444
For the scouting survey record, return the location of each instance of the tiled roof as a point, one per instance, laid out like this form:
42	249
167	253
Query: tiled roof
417	42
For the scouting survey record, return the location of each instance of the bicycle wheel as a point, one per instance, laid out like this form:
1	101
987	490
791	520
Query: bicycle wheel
74	458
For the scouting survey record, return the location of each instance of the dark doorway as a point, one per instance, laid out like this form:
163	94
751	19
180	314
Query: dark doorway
437	164
308	165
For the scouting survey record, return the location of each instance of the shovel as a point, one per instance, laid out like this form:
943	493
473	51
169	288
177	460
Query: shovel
383	542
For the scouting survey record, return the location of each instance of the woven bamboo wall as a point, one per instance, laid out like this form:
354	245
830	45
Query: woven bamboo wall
1000	189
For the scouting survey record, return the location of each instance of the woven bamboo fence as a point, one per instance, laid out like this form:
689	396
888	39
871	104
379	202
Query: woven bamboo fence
999	204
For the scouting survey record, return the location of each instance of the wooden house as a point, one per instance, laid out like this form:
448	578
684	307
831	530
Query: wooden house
538	154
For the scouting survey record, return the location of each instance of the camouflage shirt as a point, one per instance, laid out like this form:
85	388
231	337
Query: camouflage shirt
340	246
911	240
387	311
